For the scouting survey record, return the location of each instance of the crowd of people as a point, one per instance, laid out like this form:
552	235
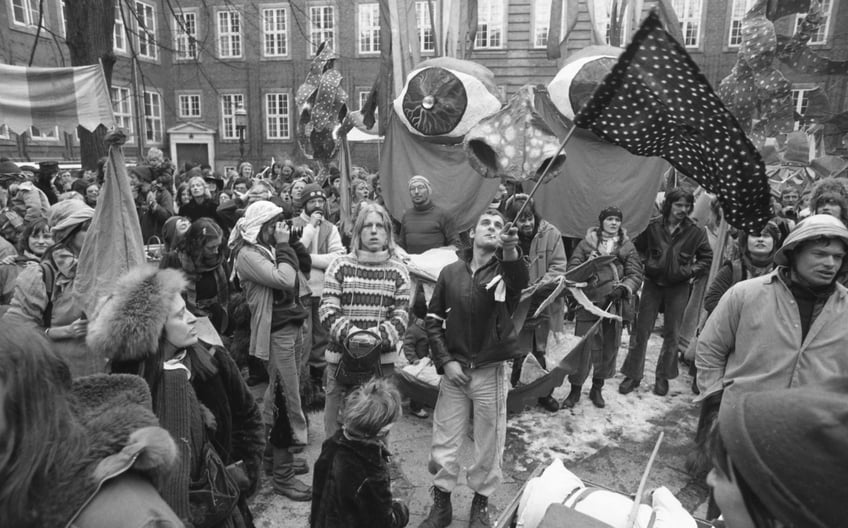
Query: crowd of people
310	292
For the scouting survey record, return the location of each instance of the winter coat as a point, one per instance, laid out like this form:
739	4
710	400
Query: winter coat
213	307
352	488
193	210
464	321
30	304
30	202
427	227
109	480
625	271
545	259
261	275
677	257
727	275
152	220
752	339
323	251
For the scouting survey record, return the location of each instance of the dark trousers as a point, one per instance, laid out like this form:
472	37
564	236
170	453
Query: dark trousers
674	298
598	353
315	337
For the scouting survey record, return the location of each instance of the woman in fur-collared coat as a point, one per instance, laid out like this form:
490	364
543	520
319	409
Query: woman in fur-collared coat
613	289
144	328
83	453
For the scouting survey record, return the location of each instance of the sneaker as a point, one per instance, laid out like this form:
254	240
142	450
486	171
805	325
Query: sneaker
419	413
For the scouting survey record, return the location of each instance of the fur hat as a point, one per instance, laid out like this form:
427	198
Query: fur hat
811	228
790	445
128	324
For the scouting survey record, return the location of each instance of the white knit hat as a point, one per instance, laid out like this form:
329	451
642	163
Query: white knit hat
812	227
248	226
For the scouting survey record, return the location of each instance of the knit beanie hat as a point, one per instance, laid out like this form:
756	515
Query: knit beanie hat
312	190
128	324
64	216
791	446
810	228
420	179
610	211
9	167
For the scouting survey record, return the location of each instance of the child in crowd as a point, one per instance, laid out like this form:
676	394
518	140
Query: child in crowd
351	483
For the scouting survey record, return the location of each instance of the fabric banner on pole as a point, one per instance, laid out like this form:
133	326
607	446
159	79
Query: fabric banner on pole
49	97
457	188
656	102
113	244
596	175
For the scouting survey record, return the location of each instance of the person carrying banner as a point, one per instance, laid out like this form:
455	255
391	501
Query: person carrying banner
471	337
674	250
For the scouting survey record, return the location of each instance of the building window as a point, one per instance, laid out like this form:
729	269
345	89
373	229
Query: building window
146	20
275	32
490	24
820	36
424	22
689	13
119	32
188	105
322	27
4	132
363	98
277	115
44	134
369	28
738	9
153	117
229	34
122	108
229	104
541	23
800	101
63	18
25	13
185	35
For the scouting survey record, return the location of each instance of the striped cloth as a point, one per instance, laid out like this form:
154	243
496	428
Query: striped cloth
365	291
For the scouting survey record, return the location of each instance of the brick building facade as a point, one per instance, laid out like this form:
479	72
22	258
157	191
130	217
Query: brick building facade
197	60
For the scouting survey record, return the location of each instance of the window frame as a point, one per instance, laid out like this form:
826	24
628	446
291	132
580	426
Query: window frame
373	31
119	29
824	30
41	137
158	135
282	118
30	12
313	30
199	97
183	38
263	9
232	115
686	21
219	35
733	19
118	100
143	34
479	39
534	33
422	24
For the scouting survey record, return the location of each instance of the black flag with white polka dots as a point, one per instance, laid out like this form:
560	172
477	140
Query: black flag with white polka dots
656	102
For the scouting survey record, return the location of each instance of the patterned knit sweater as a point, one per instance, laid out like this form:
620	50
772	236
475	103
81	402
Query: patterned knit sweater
365	291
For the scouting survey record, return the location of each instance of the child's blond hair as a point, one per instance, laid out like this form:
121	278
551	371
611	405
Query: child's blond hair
371	408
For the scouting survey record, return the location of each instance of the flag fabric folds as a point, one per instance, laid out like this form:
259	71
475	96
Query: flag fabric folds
656	102
49	97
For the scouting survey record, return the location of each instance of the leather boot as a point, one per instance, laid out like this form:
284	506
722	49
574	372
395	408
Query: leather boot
441	514
595	395
573	397
479	517
285	483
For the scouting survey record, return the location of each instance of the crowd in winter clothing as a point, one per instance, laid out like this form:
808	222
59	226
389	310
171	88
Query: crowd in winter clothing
309	291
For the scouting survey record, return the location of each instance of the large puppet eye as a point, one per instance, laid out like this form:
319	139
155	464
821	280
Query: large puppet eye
575	83
446	97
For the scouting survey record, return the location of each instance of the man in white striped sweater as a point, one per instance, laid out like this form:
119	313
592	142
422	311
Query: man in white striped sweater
367	289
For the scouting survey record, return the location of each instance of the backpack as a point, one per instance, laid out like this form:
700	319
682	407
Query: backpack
738	271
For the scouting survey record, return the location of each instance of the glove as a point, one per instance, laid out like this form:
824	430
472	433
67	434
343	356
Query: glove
618	293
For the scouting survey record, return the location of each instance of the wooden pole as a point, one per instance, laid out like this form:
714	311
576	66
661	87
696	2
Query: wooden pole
637	500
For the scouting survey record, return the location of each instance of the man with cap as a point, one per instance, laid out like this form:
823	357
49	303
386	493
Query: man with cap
674	250
27	201
542	245
780	457
426	225
786	328
324	243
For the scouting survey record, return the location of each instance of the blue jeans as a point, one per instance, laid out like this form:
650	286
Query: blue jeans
653	295
284	369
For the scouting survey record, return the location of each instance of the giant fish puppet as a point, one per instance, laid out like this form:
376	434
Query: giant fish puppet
321	107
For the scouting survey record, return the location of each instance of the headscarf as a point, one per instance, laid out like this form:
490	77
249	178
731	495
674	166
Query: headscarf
64	216
248	226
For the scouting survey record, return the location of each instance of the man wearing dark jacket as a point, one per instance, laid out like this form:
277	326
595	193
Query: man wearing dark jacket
471	336
674	250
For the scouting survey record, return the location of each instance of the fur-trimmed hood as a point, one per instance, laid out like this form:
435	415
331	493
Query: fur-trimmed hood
128	324
120	433
592	236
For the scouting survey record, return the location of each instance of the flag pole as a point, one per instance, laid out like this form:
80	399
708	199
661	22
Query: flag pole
545	173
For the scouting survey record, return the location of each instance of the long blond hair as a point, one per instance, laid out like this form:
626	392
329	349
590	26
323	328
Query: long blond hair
366	208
